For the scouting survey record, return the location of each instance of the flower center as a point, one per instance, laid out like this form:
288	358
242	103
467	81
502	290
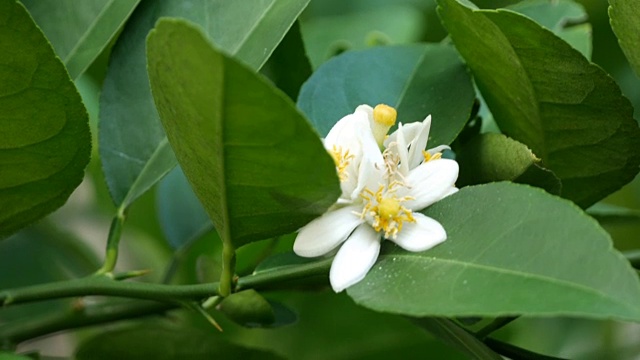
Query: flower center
341	158
384	210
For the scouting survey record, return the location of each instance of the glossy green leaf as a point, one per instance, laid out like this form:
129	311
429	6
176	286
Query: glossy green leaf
625	21
454	335
255	163
417	80
181	215
164	342
507	246
133	147
545	94
564	17
80	30
327	36
495	157
45	141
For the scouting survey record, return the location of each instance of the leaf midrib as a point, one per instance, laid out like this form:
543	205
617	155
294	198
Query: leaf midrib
556	281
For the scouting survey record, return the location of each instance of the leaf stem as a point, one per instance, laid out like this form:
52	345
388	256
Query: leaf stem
516	353
228	269
115	232
496	324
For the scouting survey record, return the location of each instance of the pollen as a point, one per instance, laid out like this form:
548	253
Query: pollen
384	210
385	115
429	157
342	159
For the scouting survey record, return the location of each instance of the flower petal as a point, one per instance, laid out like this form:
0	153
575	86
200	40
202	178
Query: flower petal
421	235
429	182
355	258
323	234
419	143
410	131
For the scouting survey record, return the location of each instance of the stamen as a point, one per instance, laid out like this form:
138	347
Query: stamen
342	159
384	209
428	157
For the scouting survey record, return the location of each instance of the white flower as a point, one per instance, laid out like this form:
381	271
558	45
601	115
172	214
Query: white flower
381	190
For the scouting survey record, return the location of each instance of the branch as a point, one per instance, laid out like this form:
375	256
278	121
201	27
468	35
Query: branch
76	318
106	286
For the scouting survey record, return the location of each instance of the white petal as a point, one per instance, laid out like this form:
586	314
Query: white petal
402	151
429	182
323	234
355	258
371	168
343	132
366	109
410	131
451	191
422	235
419	143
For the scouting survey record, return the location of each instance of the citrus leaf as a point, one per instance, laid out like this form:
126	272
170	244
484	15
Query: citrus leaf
417	80
495	157
254	162
132	142
80	30
507	245
545	94
625	21
180	213
564	17
45	141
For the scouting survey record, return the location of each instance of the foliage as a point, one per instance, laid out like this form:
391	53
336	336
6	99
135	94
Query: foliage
221	108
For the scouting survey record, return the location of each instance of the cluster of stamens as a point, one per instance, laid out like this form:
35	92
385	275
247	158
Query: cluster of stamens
341	158
384	208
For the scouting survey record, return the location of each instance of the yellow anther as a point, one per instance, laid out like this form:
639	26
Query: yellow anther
341	159
385	115
429	157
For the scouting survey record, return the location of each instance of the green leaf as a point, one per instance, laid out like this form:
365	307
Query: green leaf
45	141
255	163
326	36
417	80
160	341
495	157
454	335
507	244
80	30
180	213
133	147
288	67
625	21
608	213
564	17
545	94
